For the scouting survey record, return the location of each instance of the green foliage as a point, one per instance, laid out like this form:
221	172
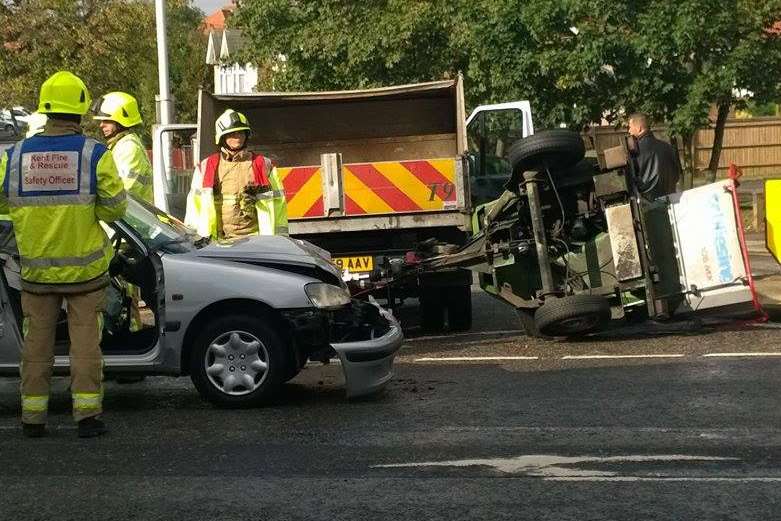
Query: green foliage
110	44
671	58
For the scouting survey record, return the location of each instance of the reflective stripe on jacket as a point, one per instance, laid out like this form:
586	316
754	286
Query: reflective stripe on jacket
133	165
270	206
56	189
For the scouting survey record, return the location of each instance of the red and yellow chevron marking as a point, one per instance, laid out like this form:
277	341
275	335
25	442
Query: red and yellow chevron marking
399	186
303	191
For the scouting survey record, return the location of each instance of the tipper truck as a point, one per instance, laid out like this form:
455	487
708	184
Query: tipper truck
380	178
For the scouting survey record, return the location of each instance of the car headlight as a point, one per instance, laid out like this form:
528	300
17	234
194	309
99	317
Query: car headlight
327	296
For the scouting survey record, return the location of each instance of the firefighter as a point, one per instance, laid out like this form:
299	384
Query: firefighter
118	114
236	192
56	186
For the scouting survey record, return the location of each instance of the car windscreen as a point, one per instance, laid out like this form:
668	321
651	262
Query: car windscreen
158	230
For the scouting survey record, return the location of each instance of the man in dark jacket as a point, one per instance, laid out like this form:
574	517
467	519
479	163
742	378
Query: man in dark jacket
657	164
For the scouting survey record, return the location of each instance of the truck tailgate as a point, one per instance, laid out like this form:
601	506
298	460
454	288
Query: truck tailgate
375	188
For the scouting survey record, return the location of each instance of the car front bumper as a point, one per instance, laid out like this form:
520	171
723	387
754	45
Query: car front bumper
364	336
368	364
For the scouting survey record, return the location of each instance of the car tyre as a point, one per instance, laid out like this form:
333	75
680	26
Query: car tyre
572	315
459	308
227	353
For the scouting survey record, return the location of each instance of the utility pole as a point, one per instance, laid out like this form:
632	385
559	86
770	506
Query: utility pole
161	147
164	100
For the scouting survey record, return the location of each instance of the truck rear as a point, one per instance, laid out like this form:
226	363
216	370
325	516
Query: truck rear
370	175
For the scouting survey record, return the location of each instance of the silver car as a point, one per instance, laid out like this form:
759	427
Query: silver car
239	318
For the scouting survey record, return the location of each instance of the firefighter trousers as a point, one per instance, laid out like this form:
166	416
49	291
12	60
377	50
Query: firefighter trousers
85	326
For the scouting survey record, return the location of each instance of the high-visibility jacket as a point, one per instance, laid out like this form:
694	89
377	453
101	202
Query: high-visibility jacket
133	165
270	206
56	189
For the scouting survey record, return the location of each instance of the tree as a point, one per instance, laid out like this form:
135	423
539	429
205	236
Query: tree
698	54
577	61
110	44
506	50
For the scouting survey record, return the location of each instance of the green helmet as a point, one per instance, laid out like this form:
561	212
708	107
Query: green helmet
230	121
119	107
64	93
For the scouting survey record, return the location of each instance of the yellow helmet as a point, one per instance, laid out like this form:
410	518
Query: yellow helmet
230	121
119	107
64	93
36	124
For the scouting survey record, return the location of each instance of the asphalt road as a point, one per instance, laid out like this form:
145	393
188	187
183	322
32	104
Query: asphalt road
670	421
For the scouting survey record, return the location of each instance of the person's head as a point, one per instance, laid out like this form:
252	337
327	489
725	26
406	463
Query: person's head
64	96
231	130
116	112
638	124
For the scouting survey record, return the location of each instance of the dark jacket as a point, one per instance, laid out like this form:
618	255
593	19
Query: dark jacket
657	166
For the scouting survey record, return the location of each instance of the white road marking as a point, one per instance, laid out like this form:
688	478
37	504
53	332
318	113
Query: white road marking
724	355
553	466
468	333
604	357
725	479
475	358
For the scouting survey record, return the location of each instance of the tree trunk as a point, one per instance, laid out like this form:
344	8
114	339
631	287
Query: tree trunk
688	161
718	139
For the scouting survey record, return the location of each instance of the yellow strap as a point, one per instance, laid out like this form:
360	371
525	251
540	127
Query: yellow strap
87	400
35	403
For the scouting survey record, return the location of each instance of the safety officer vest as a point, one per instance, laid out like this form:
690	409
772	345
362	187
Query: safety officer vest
51	185
270	206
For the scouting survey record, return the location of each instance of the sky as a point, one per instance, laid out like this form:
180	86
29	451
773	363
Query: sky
208	6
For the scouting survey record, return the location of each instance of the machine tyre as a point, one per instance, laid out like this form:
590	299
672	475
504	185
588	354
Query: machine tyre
459	308
572	315
558	149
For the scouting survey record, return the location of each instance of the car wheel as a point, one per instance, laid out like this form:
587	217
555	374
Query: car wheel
432	310
238	361
572	315
459	308
557	149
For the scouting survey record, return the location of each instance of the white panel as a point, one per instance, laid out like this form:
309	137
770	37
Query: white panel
708	245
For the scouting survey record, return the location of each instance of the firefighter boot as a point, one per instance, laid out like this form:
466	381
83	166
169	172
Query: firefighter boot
91	428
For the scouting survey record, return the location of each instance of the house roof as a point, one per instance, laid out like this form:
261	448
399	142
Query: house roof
222	45
217	19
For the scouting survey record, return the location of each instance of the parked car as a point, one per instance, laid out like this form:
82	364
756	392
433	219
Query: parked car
239	318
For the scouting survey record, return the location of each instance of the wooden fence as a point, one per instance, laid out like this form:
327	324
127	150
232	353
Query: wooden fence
752	144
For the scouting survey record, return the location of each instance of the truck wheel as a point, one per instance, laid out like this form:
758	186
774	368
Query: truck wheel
459	308
557	149
238	361
526	318
432	310
572	315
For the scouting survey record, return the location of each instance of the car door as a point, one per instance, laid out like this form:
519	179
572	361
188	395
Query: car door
10	305
161	357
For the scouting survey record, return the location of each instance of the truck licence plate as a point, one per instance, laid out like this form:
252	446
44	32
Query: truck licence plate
355	264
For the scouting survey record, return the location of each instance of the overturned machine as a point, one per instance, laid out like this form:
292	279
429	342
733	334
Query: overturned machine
572	243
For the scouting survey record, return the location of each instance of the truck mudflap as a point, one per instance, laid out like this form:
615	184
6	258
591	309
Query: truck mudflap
368	363
713	262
